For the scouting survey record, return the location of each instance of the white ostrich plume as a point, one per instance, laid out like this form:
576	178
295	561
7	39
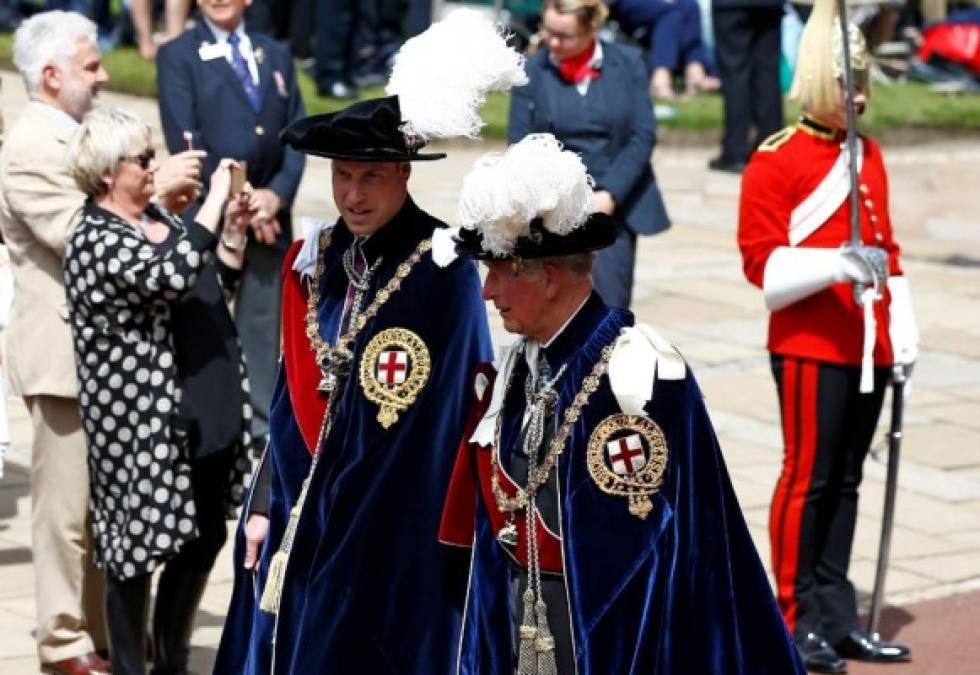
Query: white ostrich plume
442	76
504	192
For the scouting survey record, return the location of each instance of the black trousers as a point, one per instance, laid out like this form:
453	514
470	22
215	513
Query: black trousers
181	584
747	48
257	320
828	427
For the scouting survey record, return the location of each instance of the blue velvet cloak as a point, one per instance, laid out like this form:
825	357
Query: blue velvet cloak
682	592
368	588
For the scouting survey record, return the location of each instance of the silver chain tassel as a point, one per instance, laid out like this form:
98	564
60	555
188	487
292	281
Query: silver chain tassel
527	656
536	653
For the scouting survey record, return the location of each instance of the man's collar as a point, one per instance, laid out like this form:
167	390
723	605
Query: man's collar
575	332
221	35
57	115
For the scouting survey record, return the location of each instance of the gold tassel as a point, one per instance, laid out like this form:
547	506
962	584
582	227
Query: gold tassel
527	659
545	643
272	593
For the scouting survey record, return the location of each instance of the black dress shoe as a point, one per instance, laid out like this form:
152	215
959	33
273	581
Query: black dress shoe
818	656
863	647
726	165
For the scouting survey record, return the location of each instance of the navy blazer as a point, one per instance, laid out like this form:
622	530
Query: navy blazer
207	99
611	127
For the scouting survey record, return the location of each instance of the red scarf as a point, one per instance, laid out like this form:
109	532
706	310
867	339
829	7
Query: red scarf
577	68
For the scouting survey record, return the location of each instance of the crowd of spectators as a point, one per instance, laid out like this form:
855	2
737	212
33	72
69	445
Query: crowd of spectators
91	222
346	45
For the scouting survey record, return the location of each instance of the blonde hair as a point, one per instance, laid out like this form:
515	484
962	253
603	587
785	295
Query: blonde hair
591	14
820	62
105	137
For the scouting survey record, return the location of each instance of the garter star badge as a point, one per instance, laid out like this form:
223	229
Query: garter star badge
394	369
627	457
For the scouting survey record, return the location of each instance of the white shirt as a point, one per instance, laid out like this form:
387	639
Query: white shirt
60	117
244	46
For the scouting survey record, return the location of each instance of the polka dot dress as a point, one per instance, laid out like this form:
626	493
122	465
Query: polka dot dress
120	287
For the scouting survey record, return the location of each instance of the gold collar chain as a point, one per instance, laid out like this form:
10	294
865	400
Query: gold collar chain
325	354
590	384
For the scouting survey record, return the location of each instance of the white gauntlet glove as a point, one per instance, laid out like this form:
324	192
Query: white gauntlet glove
902	329
796	273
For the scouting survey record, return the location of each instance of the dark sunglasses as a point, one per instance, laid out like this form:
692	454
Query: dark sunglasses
143	159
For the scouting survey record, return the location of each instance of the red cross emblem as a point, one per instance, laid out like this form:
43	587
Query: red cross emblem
626	454
392	367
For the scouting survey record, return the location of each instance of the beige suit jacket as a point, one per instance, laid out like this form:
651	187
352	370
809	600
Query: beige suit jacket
39	205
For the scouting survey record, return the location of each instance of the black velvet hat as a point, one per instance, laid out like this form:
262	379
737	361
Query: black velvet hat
367	131
598	232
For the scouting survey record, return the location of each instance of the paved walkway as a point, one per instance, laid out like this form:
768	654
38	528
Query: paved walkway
689	285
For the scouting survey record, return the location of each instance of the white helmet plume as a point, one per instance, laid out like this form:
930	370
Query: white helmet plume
442	76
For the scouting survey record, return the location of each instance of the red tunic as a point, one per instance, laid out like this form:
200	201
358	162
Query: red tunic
828	325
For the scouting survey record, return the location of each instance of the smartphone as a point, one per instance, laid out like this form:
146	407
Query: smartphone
188	142
238	178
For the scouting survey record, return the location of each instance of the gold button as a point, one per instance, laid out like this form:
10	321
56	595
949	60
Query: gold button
863	188
874	218
259	130
879	236
870	204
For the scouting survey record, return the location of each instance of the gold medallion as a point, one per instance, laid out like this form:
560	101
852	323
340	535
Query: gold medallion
627	457
394	368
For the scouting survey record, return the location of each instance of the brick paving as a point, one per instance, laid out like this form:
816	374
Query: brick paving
689	286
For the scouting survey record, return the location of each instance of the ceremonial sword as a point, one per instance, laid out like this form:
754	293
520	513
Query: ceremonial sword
900	375
899	372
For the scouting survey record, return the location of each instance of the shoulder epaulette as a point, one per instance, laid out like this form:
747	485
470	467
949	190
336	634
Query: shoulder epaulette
778	139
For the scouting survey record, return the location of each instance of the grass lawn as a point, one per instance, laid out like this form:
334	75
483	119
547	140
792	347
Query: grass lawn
905	106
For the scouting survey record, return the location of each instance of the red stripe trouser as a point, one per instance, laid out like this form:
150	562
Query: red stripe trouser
828	426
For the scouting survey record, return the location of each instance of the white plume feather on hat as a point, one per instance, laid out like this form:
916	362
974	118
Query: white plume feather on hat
442	76
535	177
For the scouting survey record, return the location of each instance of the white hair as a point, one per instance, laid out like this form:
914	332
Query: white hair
49	38
105	137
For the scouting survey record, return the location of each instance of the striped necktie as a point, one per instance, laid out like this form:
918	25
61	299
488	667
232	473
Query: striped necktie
240	67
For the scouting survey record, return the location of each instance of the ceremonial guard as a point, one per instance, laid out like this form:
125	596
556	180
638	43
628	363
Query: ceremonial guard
605	533
841	318
382	326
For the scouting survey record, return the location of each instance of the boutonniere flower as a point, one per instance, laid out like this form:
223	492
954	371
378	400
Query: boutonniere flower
259	55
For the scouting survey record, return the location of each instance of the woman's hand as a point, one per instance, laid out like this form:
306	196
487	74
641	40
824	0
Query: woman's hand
210	213
221	178
238	217
256	530
178	179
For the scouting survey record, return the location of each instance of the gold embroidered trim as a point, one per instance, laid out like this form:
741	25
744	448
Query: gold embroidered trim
635	486
777	140
811	126
324	352
275	580
396	397
590	383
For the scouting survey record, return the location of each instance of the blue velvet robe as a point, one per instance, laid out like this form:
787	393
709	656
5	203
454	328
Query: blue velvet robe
682	592
368	588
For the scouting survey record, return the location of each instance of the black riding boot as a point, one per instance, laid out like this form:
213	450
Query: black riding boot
178	596
125	609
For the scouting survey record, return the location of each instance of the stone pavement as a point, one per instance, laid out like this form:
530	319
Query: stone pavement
689	285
